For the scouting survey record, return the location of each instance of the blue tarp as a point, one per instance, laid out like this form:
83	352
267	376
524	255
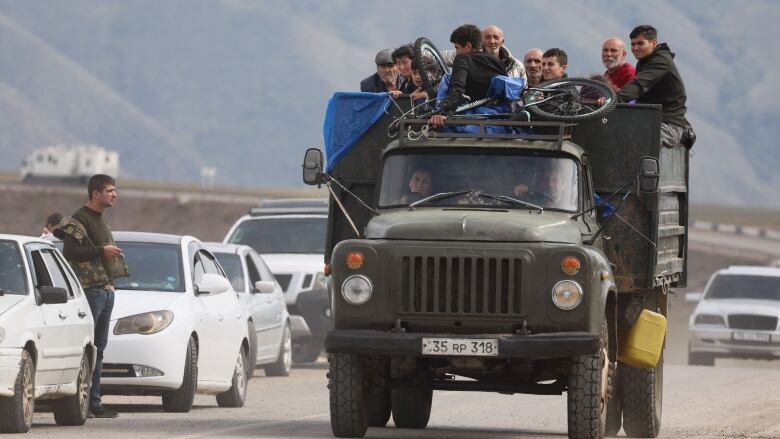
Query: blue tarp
509	89
348	116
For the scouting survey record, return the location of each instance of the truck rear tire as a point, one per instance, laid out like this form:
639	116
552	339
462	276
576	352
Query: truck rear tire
642	390
588	393
348	408
411	407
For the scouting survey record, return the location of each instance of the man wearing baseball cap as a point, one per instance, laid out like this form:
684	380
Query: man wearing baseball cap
386	78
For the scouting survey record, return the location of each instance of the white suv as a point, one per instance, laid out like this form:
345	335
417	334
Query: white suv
737	315
46	335
290	236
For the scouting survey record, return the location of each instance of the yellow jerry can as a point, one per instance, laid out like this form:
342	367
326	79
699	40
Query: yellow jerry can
645	340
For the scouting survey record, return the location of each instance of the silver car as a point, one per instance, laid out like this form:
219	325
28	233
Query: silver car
736	316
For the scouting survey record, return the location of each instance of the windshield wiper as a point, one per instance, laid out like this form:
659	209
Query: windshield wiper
510	200
439	196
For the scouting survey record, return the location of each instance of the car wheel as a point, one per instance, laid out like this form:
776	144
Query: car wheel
306	352
283	364
700	358
180	400
17	410
236	395
252	357
73	410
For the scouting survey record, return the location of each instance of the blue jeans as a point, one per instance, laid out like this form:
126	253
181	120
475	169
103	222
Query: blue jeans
101	303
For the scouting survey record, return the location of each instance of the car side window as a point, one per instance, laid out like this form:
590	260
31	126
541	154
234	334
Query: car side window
254	275
56	276
209	264
265	273
197	269
69	275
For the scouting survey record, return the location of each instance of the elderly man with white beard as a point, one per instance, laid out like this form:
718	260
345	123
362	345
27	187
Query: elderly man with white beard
613	55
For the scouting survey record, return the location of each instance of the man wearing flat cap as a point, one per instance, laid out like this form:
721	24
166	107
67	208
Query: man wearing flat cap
386	78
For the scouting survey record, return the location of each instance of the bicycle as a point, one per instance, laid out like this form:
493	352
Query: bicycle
558	100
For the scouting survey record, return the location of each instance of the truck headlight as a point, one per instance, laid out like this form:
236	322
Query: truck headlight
567	294
356	289
146	323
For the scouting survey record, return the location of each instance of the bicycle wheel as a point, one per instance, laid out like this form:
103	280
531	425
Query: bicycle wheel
569	99
431	65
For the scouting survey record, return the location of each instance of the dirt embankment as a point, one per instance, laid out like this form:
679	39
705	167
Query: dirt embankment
24	212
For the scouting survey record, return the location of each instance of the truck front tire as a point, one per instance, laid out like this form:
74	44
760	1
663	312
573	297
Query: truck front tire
588	393
348	408
411	407
378	391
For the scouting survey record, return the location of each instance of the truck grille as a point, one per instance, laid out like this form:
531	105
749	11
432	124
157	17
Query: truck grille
460	285
751	321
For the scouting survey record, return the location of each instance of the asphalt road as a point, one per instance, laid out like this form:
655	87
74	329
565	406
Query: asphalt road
699	402
734	399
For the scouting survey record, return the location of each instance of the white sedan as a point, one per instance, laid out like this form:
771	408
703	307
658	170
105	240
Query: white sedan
737	316
269	322
46	335
177	327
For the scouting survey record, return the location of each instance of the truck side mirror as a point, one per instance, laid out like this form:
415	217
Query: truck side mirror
648	175
312	167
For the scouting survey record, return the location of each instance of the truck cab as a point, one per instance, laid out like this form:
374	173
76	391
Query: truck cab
479	262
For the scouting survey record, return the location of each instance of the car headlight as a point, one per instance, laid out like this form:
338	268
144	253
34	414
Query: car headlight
356	289
146	323
567	294
320	282
709	319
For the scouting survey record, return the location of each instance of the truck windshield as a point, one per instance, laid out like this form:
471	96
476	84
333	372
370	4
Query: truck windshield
734	286
304	235
12	274
549	182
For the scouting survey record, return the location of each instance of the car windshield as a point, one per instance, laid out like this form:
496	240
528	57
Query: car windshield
752	287
12	275
468	179
282	235
231	263
153	266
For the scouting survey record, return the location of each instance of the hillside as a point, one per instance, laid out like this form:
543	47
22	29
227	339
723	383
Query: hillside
241	85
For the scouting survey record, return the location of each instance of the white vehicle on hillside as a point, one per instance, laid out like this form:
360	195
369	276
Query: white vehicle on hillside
737	316
46	335
269	322
177	327
290	236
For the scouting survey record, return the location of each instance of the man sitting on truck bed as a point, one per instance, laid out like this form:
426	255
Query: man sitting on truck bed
472	71
657	81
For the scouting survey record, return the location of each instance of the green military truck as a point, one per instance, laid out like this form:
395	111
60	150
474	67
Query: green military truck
502	273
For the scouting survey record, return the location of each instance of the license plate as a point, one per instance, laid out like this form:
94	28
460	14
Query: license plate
751	336
484	347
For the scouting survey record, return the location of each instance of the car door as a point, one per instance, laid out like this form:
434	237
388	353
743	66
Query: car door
207	322
261	312
272	309
231	320
58	349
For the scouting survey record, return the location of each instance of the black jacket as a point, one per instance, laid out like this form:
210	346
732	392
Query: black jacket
374	84
657	81
471	75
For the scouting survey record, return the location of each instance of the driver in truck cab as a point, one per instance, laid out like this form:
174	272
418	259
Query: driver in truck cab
550	189
420	186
